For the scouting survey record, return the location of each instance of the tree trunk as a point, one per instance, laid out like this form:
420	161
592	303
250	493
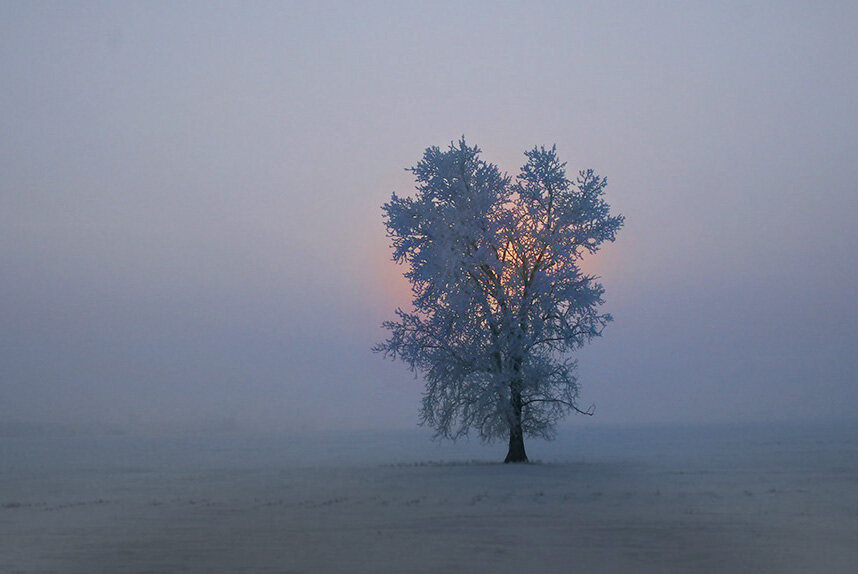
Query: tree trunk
516	447
516	436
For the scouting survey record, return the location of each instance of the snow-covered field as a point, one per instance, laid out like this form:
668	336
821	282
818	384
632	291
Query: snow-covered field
774	498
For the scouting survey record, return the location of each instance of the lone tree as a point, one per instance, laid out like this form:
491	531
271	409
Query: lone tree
499	298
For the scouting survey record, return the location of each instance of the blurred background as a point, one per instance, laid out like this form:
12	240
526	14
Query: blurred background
190	222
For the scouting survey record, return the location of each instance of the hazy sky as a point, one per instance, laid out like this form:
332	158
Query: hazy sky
190	223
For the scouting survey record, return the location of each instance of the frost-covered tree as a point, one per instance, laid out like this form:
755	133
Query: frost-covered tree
499	299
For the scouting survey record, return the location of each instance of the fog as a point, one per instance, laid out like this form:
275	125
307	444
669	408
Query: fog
190	222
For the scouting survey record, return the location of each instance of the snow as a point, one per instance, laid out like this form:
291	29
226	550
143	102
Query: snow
766	498
499	300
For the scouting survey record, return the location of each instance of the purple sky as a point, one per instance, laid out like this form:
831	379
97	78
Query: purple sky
190	223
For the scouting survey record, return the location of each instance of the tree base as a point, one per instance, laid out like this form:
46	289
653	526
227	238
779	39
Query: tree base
510	459
516	451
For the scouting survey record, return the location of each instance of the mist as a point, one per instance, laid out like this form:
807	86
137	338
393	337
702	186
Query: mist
190	223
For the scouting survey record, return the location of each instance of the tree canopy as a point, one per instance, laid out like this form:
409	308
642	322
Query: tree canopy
499	299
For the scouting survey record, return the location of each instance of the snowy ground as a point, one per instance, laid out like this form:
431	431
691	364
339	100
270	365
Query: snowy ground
704	499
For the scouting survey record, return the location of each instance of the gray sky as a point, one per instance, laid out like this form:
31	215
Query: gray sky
190	223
